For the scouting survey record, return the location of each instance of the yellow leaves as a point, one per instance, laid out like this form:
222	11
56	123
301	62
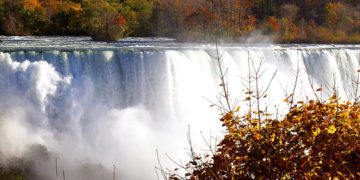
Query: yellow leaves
254	125
76	6
257	136
272	139
32	3
332	98
251	128
286	177
237	134
248	115
345	114
305	133
249	92
339	173
228	116
68	5
319	89
316	132
286	100
300	102
331	129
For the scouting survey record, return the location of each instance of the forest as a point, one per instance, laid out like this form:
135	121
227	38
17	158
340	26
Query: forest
283	21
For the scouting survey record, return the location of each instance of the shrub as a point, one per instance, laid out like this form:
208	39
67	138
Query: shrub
12	173
315	140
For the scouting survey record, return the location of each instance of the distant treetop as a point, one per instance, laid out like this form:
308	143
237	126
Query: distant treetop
310	21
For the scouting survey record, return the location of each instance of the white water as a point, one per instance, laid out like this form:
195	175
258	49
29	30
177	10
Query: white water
118	105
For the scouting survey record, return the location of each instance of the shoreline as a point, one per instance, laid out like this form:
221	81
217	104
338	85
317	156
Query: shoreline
3	38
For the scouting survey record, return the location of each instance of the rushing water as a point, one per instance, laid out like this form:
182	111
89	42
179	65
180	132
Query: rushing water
93	105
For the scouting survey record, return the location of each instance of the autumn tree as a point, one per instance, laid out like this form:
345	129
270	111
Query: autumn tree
335	21
10	18
70	18
289	11
335	13
316	139
104	22
165	19
51	7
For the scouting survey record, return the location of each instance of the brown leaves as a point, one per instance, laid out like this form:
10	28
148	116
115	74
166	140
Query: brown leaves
315	139
228	116
257	136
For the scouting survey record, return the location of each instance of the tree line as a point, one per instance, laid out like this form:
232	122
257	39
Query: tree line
308	21
101	19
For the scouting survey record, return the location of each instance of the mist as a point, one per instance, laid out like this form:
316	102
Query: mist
96	109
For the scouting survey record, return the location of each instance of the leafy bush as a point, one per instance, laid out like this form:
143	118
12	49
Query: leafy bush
315	140
11	173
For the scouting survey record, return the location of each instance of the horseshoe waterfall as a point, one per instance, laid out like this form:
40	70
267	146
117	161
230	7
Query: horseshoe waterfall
88	107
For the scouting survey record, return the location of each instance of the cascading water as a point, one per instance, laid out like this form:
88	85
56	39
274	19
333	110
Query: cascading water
92	105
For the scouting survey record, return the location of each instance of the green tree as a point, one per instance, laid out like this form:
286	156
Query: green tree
11	23
142	10
104	21
34	19
69	19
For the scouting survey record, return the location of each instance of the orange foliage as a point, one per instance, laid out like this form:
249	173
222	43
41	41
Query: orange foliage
251	23
120	20
333	13
318	33
67	6
231	19
51	6
294	29
315	140
274	24
32	3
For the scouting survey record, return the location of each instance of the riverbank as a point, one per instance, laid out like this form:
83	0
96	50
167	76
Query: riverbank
297	22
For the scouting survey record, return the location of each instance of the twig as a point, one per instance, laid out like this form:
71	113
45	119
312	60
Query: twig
56	167
310	81
296	79
222	78
161	168
114	172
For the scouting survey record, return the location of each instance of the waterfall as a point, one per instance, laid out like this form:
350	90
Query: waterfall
118	106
